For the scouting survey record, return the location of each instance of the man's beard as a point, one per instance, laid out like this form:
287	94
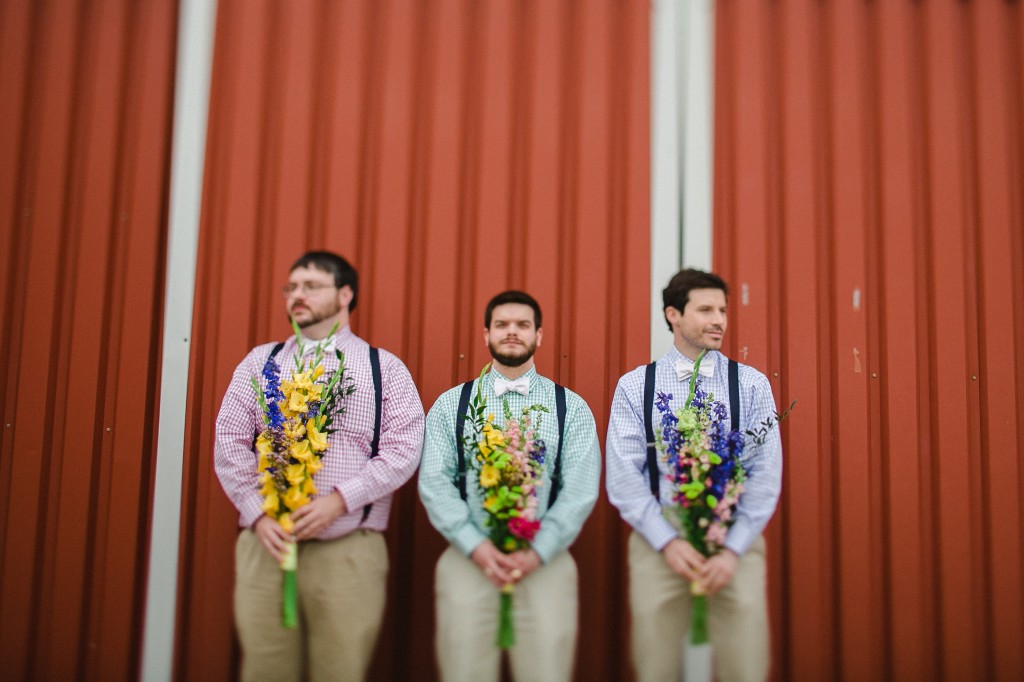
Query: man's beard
314	316
512	360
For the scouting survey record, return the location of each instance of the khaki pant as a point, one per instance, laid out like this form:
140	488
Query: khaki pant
660	604
342	590
545	615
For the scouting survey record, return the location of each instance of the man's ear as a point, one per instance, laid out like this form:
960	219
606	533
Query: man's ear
540	336
672	314
345	296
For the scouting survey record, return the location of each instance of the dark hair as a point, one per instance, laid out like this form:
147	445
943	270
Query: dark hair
512	296
332	264
677	293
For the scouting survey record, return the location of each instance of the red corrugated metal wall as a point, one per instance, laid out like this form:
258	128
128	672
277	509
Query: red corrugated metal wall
869	203
451	149
84	142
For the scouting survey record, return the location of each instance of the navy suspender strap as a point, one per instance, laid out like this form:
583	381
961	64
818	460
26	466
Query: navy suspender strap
460	425
652	457
378	399
556	479
734	394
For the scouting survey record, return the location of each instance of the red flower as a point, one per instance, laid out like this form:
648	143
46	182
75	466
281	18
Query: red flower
523	529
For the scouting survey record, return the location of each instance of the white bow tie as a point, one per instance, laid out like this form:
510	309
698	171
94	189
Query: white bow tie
684	368
309	346
502	386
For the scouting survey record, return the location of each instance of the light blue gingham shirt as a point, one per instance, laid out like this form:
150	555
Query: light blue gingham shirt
627	479
462	523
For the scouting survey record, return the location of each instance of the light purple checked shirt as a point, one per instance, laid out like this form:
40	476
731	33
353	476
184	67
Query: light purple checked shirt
627	479
347	464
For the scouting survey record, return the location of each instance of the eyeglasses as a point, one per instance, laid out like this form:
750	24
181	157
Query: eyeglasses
312	288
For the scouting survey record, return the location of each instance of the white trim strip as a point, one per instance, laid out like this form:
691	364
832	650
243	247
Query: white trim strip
196	22
682	145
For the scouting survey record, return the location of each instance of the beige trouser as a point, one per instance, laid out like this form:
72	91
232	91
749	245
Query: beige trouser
545	608
342	589
660	604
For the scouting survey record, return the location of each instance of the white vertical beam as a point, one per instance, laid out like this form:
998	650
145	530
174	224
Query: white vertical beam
196	19
682	161
666	164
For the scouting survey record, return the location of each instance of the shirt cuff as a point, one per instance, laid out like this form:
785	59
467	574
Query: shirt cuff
250	511
354	493
740	537
467	538
659	533
546	546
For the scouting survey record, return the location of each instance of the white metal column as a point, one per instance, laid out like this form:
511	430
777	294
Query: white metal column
682	162
196	21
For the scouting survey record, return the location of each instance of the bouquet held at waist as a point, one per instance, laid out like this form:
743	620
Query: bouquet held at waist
507	463
297	414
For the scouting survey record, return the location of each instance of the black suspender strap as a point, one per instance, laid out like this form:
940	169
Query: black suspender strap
556	479
378	400
460	424
734	394
277	349
652	457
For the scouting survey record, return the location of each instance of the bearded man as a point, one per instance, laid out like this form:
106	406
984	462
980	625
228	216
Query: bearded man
472	571
342	558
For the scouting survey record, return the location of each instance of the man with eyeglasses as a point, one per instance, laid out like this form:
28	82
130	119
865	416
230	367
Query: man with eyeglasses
342	557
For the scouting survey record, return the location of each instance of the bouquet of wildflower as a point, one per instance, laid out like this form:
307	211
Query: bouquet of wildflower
508	462
297	417
706	475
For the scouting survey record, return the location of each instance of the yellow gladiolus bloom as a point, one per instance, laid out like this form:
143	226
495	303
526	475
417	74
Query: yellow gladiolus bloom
489	476
295	473
317	439
315	391
263	464
294	498
271	503
298	403
313	465
495	438
286	522
267	486
301	451
318	372
264	445
491	503
294	429
308	487
484	450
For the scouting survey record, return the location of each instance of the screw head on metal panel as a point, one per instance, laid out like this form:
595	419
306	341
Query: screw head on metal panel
974	377
874	375
108	428
775	374
8	426
462	356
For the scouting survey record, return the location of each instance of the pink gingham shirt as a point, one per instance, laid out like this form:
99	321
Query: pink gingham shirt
348	467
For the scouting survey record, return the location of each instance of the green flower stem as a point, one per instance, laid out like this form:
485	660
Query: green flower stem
693	377
290	600
506	628
699	620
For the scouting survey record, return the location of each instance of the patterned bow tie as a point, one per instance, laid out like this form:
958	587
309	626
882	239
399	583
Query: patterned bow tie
684	368
502	386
